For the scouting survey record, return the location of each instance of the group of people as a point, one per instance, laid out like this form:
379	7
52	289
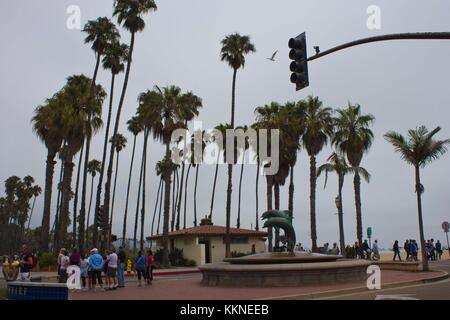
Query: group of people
365	251
17	267
110	265
434	251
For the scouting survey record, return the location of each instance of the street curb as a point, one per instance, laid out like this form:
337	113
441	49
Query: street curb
326	294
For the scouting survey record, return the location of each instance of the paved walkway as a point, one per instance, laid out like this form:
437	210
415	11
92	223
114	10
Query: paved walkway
189	287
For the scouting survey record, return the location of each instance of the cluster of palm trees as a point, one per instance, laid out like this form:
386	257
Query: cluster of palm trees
67	122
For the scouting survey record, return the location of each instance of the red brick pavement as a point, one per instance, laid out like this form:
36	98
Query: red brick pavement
192	289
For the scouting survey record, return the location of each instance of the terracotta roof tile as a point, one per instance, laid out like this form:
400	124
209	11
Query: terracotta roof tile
210	231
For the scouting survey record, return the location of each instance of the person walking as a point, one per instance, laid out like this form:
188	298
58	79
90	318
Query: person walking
150	261
376	253
96	265
65	262
432	250
122	257
396	250
112	261
406	248
413	248
439	250
140	265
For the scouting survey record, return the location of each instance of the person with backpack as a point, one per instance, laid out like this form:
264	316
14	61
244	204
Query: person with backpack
140	266
96	265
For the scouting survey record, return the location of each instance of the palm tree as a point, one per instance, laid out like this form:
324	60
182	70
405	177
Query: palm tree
36	191
168	108
82	118
129	14
354	138
141	172
94	167
212	139
101	33
419	149
46	125
242	152
115	56
135	127
120	143
234	49
318	128
75	197
158	173
196	163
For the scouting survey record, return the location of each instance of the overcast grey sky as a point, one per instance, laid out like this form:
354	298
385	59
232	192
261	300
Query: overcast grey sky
403	84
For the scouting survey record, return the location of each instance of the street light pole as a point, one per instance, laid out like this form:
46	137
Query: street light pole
387	37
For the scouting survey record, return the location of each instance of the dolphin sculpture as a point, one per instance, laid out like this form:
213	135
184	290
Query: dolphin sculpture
283	220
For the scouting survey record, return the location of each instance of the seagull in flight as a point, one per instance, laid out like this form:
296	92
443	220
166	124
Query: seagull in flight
273	56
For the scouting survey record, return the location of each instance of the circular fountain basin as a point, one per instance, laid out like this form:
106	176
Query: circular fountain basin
280	270
283	257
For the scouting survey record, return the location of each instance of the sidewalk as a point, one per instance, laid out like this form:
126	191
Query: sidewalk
192	289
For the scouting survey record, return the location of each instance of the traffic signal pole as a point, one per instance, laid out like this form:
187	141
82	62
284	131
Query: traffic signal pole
387	37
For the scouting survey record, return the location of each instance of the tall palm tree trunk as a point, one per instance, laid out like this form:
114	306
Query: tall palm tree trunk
89	211
31	213
174	198
114	196
269	184
357	187
75	198
66	196
103	164
116	130
312	201
228	212
185	195
291	193
144	180
156	207
195	194
419	211
257	197
341	215
124	228
214	188
276	190
45	225
160	211
238	224
165	258
138	198
55	228
180	197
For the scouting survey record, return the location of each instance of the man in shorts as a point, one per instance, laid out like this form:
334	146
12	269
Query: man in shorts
112	260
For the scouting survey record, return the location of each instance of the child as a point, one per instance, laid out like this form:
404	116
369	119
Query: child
84	265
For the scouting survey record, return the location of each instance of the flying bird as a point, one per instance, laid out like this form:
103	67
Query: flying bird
273	56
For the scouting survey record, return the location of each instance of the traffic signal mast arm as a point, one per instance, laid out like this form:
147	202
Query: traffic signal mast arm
397	36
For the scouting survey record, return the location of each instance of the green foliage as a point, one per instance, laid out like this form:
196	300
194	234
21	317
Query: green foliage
236	254
176	258
3	294
47	259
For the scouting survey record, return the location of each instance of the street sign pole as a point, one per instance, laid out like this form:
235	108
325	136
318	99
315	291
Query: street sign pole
448	247
446	228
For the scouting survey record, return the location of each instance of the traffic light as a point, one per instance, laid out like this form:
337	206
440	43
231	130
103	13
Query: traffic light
100	217
299	65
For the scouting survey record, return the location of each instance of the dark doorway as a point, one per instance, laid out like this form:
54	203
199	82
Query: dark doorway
207	244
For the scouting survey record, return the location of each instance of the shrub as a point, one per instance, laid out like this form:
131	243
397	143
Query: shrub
236	254
47	259
176	258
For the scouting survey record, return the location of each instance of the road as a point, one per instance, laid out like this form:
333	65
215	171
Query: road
430	291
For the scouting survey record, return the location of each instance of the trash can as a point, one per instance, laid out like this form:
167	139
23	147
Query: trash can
37	291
